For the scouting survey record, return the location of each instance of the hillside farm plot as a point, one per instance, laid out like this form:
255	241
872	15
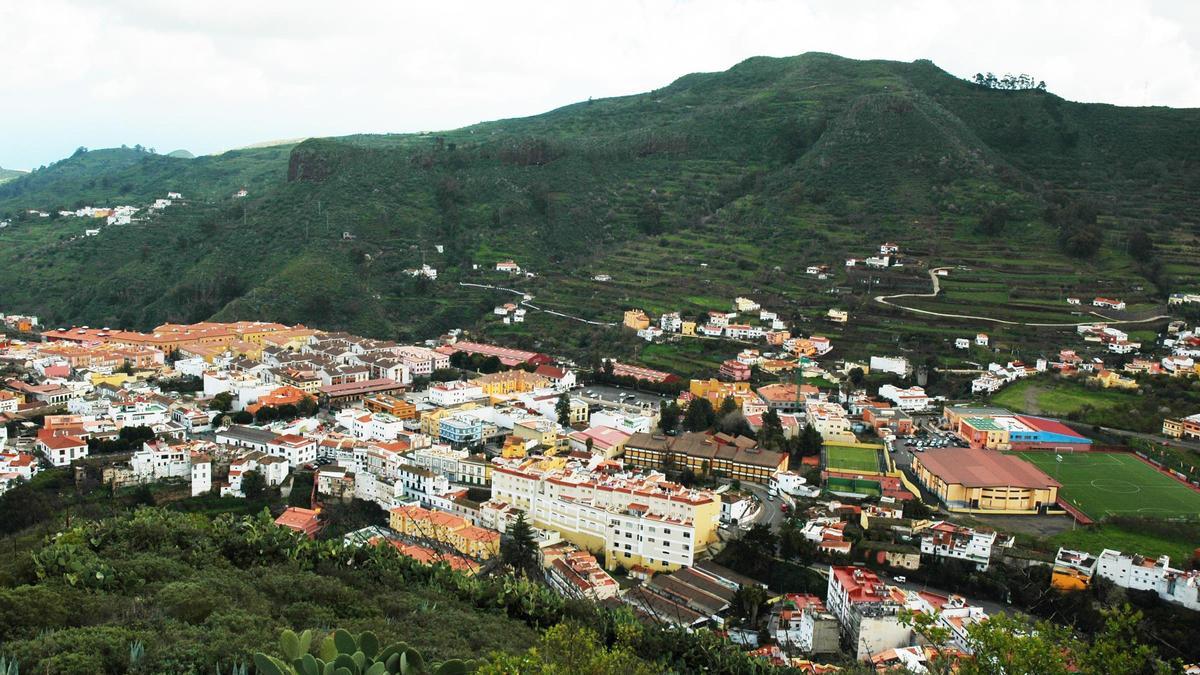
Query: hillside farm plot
853	459
1113	483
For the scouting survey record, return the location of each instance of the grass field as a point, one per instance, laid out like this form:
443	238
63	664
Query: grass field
850	458
1046	396
1102	484
1097	537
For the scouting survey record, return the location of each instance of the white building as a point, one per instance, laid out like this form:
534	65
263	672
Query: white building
297	450
157	460
890	364
908	400
946	540
1147	574
62	450
201	474
670	322
634	519
450	394
245	389
830	420
273	469
866	610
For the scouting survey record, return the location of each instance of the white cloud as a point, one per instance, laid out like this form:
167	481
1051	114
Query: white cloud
212	74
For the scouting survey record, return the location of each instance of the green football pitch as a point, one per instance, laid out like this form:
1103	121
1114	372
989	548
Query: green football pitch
849	458
1115	483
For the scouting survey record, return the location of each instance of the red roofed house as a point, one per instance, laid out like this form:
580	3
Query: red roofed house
296	449
63	449
607	441
562	378
734	370
579	575
304	521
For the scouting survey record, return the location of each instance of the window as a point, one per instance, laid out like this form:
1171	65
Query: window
687	535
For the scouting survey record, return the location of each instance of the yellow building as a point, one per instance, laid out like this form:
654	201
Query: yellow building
715	456
113	379
507	382
717	391
431	419
293	339
513	448
476	542
636	319
537	429
1113	380
211	351
976	480
445	528
396	407
687	328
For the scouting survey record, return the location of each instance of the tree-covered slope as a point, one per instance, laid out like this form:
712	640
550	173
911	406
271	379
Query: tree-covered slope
771	165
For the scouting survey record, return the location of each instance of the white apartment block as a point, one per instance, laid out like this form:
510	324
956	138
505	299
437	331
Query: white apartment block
890	364
946	540
634	519
296	449
909	400
157	460
449	394
1146	574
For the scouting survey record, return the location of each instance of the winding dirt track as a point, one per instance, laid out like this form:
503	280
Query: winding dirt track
887	300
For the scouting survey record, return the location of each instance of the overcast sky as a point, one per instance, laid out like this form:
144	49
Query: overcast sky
209	75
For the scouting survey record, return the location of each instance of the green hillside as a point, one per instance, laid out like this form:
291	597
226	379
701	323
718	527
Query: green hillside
9	174
756	172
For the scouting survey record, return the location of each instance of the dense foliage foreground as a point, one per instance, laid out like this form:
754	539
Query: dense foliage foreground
158	591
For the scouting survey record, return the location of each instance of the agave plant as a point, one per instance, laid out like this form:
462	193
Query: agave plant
343	654
9	666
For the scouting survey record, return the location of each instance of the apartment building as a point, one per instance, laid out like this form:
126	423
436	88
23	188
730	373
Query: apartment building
634	519
718	455
830	420
947	540
867	611
450	394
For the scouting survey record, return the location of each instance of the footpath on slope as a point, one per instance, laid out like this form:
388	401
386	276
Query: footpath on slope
887	300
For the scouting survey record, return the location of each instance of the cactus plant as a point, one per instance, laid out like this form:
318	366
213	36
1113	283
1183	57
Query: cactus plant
341	653
8	666
136	651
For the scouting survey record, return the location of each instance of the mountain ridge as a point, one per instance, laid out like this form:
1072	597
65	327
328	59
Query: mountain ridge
778	162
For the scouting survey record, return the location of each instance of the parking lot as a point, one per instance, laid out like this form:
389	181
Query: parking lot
604	394
903	449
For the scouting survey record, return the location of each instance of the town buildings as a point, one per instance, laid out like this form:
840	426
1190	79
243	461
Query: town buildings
633	519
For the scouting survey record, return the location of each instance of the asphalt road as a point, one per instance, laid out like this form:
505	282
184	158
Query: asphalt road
770	513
